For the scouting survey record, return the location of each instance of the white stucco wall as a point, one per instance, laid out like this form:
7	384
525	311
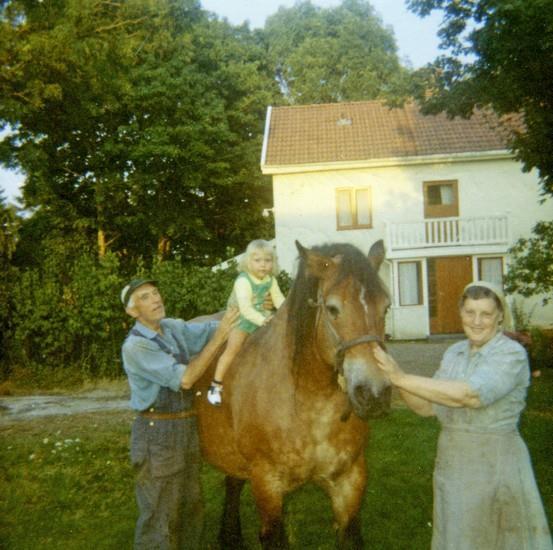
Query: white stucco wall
305	210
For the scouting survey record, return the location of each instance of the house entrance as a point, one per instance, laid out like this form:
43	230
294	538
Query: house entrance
447	277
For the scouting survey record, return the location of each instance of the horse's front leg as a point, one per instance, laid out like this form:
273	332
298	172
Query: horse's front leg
230	533
346	493
268	495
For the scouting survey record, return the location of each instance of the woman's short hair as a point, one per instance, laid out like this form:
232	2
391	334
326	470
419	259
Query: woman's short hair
255	246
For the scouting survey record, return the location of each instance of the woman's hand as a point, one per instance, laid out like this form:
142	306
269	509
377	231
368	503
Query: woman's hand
386	363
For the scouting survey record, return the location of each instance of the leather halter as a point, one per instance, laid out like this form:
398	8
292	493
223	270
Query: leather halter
342	346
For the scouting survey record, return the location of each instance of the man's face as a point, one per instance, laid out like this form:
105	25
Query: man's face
146	306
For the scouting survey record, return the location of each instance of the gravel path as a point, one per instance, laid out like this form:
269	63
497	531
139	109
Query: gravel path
420	357
417	357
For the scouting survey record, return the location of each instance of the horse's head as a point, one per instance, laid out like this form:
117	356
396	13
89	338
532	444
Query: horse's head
345	304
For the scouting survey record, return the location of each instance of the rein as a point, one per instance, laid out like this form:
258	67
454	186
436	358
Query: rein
342	346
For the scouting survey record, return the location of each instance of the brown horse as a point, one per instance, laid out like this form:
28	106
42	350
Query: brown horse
298	394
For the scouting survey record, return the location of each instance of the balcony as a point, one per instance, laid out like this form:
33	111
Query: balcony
448	232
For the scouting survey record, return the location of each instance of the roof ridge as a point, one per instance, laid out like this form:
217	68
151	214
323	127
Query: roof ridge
337	103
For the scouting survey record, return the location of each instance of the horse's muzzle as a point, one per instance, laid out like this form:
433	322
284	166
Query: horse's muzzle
366	405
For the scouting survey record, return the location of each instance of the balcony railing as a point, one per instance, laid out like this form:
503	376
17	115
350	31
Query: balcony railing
440	232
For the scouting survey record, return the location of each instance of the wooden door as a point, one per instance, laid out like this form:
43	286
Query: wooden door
447	277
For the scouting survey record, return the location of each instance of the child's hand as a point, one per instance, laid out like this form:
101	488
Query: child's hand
268	302
268	319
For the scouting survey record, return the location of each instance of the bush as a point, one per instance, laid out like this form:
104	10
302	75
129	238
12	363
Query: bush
541	350
68	316
190	291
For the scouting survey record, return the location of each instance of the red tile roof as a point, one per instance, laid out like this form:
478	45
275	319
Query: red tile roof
369	130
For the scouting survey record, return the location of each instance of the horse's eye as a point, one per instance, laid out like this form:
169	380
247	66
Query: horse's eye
333	311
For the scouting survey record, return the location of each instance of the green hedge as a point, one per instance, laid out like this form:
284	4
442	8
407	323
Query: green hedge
67	320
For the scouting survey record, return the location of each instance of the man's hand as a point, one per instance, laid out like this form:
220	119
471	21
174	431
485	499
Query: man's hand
228	322
199	364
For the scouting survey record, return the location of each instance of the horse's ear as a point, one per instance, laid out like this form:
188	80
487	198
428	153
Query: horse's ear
377	254
301	249
316	264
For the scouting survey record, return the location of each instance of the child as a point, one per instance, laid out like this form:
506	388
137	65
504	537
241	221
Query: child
257	269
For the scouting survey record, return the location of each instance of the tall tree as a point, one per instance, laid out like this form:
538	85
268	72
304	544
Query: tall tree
134	120
9	224
64	67
333	54
195	149
500	56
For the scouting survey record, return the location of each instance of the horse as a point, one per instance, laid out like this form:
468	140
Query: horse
298	395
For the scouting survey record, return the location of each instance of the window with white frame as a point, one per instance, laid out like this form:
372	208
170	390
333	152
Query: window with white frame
410	283
353	208
491	270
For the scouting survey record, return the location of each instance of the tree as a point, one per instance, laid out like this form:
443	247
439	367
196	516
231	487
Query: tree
195	150
335	54
138	123
531	270
9	224
501	58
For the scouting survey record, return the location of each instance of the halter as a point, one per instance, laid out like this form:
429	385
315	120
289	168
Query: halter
342	346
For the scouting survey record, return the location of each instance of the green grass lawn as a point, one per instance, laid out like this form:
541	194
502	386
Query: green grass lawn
66	483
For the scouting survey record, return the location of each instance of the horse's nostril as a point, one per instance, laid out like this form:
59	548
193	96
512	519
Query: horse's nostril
362	393
367	405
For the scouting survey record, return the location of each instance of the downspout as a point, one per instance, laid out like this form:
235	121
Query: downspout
266	135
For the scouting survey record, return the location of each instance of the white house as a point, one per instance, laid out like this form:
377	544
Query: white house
446	196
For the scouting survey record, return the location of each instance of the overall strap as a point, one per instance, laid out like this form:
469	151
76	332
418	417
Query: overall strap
180	357
168	399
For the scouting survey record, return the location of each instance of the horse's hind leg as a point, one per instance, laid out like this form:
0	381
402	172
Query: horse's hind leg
230	533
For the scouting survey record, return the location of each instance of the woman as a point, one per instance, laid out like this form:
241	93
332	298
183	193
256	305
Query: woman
485	494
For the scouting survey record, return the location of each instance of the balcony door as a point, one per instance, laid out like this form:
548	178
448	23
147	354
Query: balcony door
447	277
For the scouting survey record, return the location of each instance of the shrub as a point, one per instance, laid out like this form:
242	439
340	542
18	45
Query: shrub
68	316
541	350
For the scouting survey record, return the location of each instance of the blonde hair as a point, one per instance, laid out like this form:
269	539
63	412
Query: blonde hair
255	246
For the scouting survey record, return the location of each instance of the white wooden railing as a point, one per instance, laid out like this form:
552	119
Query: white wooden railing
439	232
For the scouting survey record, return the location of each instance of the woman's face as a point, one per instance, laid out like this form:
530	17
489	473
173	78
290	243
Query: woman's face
481	319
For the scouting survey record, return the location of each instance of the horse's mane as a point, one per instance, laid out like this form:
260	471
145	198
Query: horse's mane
303	294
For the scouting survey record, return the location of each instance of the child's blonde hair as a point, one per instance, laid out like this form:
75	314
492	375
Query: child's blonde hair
254	246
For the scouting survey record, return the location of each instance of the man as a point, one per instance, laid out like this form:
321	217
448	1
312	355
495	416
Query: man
163	358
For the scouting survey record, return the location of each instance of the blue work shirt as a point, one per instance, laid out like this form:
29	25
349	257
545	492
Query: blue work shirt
149	368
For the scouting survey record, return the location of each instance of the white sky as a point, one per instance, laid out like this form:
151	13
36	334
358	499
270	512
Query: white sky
416	39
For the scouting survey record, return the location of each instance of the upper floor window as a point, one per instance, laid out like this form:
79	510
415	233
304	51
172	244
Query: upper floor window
441	199
353	208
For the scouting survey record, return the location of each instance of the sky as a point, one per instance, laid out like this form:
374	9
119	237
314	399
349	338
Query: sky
416	39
